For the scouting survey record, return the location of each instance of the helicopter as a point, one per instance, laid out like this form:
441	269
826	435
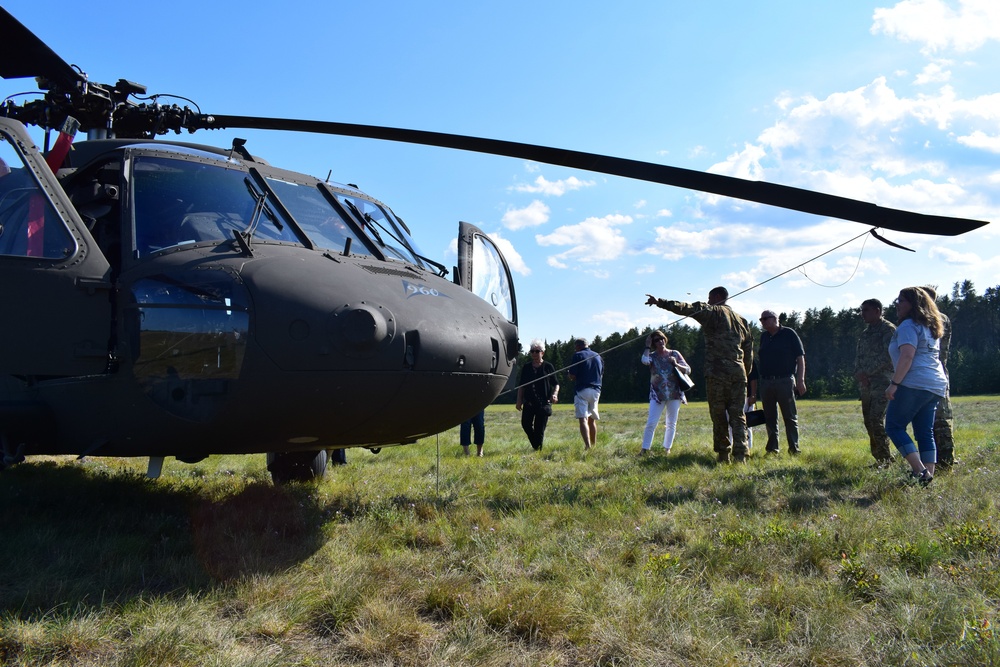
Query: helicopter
167	298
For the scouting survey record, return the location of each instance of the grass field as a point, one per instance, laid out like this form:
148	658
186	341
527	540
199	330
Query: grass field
419	556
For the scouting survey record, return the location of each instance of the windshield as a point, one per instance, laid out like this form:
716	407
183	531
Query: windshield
179	201
388	233
317	217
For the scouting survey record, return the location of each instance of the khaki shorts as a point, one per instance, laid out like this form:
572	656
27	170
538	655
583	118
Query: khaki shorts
585	403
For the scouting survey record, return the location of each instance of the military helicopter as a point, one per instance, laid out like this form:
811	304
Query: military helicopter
166	298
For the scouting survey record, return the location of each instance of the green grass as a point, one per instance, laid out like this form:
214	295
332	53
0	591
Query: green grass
420	556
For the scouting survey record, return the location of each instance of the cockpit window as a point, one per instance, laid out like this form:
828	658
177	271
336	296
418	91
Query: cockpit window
29	225
178	201
384	228
317	218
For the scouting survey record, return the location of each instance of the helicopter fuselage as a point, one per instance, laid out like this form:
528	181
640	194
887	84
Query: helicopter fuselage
185	301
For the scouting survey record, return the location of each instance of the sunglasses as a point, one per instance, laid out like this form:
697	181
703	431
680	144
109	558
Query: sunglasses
538	351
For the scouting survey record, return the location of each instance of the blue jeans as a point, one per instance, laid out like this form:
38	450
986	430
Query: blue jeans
912	406
475	423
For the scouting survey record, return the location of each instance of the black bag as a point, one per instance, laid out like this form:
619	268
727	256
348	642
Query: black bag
755	418
684	381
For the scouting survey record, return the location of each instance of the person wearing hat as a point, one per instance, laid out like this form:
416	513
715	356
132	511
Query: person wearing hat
873	369
586	369
728	359
781	365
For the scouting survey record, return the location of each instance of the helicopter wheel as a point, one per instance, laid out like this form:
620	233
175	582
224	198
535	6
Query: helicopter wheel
296	466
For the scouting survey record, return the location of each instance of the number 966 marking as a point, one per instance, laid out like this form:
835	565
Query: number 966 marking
414	289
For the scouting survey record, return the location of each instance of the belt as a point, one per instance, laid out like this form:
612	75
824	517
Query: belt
776	377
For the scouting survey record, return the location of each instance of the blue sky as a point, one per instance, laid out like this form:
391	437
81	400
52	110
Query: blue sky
896	103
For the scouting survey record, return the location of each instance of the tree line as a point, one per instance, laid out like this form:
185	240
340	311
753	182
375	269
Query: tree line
830	340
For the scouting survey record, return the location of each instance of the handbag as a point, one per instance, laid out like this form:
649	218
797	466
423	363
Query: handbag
684	381
755	417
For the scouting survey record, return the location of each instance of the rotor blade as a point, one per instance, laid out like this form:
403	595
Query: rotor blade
23	54
772	194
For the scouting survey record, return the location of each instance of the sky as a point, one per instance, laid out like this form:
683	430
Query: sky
893	103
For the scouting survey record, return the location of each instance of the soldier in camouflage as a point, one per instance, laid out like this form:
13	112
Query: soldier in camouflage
873	370
728	358
943	417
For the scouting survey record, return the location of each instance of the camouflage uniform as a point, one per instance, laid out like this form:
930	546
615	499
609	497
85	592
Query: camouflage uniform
728	358
874	363
943	418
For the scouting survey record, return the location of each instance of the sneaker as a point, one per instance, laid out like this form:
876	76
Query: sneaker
924	477
643	452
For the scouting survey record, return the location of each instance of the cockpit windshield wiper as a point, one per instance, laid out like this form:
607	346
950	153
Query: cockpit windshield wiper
365	221
260	208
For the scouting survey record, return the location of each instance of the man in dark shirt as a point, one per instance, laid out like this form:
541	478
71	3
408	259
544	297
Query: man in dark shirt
586	370
781	363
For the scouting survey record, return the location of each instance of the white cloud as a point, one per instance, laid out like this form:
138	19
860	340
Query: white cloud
534	214
952	256
933	73
513	257
552	188
620	321
806	256
875	145
664	213
939	26
593	240
979	139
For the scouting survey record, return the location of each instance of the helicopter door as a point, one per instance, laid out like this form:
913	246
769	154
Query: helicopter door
483	270
53	281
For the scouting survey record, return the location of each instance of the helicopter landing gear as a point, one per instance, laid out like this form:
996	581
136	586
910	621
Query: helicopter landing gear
155	467
296	466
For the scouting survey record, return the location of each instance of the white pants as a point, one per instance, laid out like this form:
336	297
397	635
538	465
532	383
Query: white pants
655	410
